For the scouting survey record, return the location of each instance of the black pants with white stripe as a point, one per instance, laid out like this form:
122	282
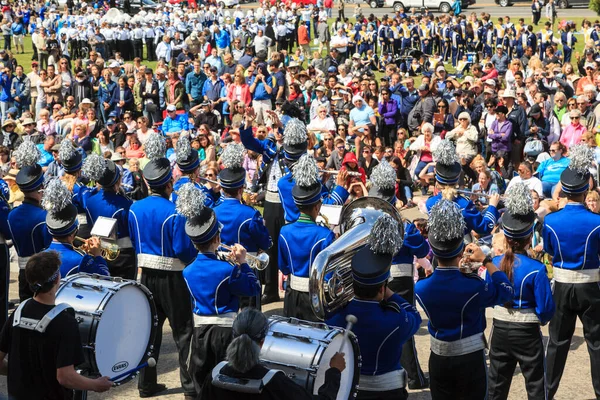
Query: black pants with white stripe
172	300
405	287
458	377
4	280
573	300
513	343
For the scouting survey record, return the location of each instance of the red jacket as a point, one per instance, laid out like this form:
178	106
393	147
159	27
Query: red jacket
351	157
245	95
303	34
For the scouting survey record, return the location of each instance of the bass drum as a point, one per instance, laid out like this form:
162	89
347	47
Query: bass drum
302	350
117	322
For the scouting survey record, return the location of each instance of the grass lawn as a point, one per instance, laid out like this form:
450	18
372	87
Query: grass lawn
25	59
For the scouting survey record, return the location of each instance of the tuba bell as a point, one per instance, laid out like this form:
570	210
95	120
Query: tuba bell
330	282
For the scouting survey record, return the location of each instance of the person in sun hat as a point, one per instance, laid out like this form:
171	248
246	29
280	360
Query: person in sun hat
27	222
576	273
517	335
385	320
163	254
108	201
215	284
447	175
456	320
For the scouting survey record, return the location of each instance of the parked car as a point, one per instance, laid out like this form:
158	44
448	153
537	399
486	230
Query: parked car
442	6
559	3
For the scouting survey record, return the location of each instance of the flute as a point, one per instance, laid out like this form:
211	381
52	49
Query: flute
335	172
217	183
478	194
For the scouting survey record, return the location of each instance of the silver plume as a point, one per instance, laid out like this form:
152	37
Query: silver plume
446	222
294	132
384	175
385	236
233	155
66	150
27	154
306	171
518	200
581	156
56	196
190	200
445	153
155	146
183	149
93	167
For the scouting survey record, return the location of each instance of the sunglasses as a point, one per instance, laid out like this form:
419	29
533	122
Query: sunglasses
209	175
328	139
341	148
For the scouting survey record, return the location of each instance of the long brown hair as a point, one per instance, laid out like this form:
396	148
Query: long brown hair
69	180
512	247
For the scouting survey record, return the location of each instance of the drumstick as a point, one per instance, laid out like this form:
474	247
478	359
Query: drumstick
150	363
350	320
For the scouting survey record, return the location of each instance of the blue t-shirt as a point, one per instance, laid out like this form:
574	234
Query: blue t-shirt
362	115
46	157
551	170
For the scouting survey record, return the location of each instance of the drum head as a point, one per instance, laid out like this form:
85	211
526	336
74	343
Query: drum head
349	377
123	332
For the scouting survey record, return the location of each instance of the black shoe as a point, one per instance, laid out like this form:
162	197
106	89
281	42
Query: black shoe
266	299
157	388
416	385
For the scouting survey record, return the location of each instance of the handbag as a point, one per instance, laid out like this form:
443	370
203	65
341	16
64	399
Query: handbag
533	147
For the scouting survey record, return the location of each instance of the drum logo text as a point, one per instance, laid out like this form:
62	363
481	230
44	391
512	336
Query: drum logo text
120	366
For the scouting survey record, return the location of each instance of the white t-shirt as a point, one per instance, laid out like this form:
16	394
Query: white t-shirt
532	183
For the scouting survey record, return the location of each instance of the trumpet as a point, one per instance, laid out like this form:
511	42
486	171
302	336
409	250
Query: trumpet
217	183
335	172
259	262
110	251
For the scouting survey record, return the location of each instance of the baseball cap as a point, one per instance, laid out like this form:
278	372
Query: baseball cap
171	107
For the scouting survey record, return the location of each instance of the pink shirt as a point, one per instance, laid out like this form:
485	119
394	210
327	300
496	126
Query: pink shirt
572	134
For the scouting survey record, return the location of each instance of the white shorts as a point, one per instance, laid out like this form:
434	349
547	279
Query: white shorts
18	40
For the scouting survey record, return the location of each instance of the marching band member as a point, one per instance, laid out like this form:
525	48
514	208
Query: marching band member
402	269
275	168
516	332
189	164
241	223
63	224
454	302
295	259
72	160
385	320
575	259
4	252
214	284
27	222
243	373
447	175
110	202
163	250
41	362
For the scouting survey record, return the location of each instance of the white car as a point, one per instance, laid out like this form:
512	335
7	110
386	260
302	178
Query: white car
228	3
443	6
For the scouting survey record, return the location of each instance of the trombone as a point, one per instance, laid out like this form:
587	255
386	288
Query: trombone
259	262
335	172
110	251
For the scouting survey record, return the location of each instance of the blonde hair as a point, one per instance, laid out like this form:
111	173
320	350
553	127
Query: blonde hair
69	180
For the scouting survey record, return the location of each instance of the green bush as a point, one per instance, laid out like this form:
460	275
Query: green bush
595	6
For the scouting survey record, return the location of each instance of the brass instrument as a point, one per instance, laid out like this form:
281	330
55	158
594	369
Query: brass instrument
259	262
217	183
110	251
330	281
335	172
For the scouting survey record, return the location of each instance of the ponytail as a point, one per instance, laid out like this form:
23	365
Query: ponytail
243	353
448	193
511	247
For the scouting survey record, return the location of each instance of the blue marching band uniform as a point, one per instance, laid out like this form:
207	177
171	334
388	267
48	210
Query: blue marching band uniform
576	273
4	252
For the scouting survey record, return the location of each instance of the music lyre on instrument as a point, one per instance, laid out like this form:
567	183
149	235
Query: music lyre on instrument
106	230
335	172
330	281
259	262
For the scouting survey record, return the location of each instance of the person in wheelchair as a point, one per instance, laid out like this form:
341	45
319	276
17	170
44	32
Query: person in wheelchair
242	375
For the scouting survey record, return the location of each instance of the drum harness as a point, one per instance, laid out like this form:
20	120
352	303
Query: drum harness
240	385
38	325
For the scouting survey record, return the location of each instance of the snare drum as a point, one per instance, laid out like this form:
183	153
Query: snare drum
117	322
302	350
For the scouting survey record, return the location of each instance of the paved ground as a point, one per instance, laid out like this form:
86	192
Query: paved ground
576	384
